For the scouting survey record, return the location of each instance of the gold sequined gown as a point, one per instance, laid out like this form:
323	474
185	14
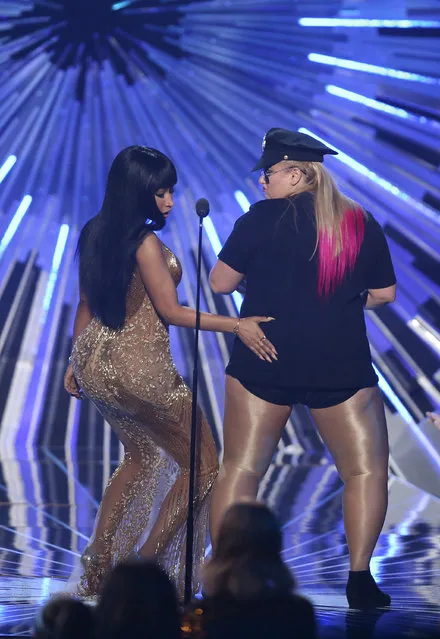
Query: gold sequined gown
131	378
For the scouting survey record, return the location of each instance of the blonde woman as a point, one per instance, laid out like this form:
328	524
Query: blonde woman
313	259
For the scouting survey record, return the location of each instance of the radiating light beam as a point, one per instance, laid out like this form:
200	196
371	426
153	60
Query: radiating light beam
369	23
371	68
121	5
217	247
242	201
393	398
238	300
380	181
369	102
7	166
212	235
426	332
45	589
398	405
15	223
56	261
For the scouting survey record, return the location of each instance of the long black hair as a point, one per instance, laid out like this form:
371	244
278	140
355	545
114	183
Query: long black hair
108	242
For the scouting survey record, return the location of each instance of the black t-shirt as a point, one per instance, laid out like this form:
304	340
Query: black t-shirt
321	342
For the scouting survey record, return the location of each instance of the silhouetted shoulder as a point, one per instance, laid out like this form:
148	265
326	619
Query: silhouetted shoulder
303	605
303	617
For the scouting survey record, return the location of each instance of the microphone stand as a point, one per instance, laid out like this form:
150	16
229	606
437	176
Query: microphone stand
202	208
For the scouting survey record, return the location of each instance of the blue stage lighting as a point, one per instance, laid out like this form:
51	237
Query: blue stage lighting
370	102
242	200
216	244
6	167
121	5
369	23
56	262
15	223
380	181
371	68
398	405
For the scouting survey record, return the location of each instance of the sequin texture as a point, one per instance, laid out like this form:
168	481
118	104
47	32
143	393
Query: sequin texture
131	378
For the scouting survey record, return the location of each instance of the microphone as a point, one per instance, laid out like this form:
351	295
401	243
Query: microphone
202	207
202	210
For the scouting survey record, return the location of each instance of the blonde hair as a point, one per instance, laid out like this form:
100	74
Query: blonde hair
340	225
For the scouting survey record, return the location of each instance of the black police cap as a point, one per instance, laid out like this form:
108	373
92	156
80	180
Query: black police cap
281	144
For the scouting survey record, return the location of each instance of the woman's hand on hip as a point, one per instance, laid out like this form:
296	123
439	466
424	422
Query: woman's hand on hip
251	334
70	383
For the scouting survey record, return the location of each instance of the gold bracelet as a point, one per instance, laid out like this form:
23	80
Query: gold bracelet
236	328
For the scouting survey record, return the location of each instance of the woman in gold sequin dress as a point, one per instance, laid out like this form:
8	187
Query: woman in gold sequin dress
121	361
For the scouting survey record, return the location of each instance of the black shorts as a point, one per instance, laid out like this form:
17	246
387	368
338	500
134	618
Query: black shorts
313	398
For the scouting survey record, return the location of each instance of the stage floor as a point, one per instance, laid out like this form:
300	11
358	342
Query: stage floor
48	506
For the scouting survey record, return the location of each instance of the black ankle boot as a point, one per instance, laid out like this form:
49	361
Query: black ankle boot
363	593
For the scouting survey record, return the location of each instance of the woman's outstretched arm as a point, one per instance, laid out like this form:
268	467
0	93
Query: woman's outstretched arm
162	291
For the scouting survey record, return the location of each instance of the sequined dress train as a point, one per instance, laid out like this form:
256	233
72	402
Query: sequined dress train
131	378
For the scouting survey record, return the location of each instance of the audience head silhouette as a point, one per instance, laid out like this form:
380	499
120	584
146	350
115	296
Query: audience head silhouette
64	617
247	561
138	600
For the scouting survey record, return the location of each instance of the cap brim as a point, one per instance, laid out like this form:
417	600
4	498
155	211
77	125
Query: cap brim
260	165
270	157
